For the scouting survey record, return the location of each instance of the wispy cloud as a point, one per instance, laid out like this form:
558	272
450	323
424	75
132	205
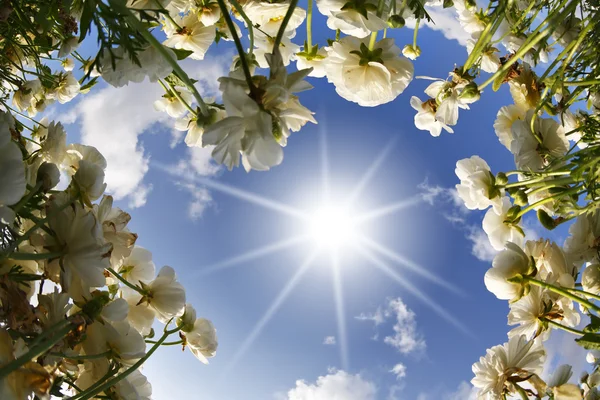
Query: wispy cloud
446	22
399	370
334	385
405	337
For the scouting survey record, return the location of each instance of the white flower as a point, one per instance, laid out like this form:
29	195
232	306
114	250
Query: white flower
12	178
317	63
562	390
134	387
507	264
195	125
22	98
498	230
56	306
192	35
170	104
264	45
449	98
202	340
526	312
78	234
551	262
411	52
140	316
209	13
425	118
519	359
350	20
505	119
165	295
529	153
125	343
67	46
68	64
567	31
138	267
476	186
368	77
115	311
537	54
490	62
67	89
469	19
590	279
270	15
147	4
153	65
188	318
114	228
245	122
582	244
89	181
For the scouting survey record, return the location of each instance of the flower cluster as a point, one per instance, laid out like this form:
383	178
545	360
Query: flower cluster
78	297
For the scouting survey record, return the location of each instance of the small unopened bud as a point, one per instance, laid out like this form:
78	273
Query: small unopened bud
470	92
470	4
49	175
411	52
501	178
449	3
396	21
546	220
520	198
590	279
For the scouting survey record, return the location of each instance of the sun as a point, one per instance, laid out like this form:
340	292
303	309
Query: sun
332	227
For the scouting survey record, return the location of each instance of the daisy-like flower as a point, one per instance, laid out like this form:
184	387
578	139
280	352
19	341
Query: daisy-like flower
192	35
425	118
449	97
505	365
355	18
505	119
68	64
138	267
270	16
529	153
209	13
469	18
527	313
477	185
525	89
583	242
507	264
316	61
368	77
499	230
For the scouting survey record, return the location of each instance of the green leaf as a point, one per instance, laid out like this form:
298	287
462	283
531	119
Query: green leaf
594	325
87	13
589	341
181	53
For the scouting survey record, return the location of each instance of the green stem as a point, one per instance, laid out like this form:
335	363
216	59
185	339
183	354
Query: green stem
171	89
309	25
522	393
583	292
82	357
416	31
59	331
562	292
248	22
27	197
165	343
286	20
485	36
36	256
91	393
547	200
372	40
125	282
137	25
543	180
238	45
588	82
563	327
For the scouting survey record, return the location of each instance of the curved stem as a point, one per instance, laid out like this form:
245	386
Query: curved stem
248	22
416	31
562	292
563	327
286	20
171	89
125	282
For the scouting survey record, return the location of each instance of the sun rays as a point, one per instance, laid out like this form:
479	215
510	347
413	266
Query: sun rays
333	228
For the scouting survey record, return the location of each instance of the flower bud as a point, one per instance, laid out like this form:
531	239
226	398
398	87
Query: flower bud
590	279
470	92
520	198
546	220
48	175
501	178
396	21
411	52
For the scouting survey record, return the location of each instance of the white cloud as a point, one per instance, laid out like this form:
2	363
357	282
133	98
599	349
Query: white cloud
112	120
329	340
335	385
406	338
481	247
465	391
445	21
399	370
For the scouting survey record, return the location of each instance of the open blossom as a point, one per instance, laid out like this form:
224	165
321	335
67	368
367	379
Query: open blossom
152	65
368	77
469	18
195	125
114	228
264	45
22	97
529	153
490	61
498	229
89	180
270	15
425	118
202	340
192	35
351	20
518	359
477	188
505	119
317	62
134	387
449	97
12	178
527	313
165	295
138	267
171	104
590	279
582	244
507	264
68	87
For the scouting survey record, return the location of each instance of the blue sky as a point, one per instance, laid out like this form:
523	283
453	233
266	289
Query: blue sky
193	226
